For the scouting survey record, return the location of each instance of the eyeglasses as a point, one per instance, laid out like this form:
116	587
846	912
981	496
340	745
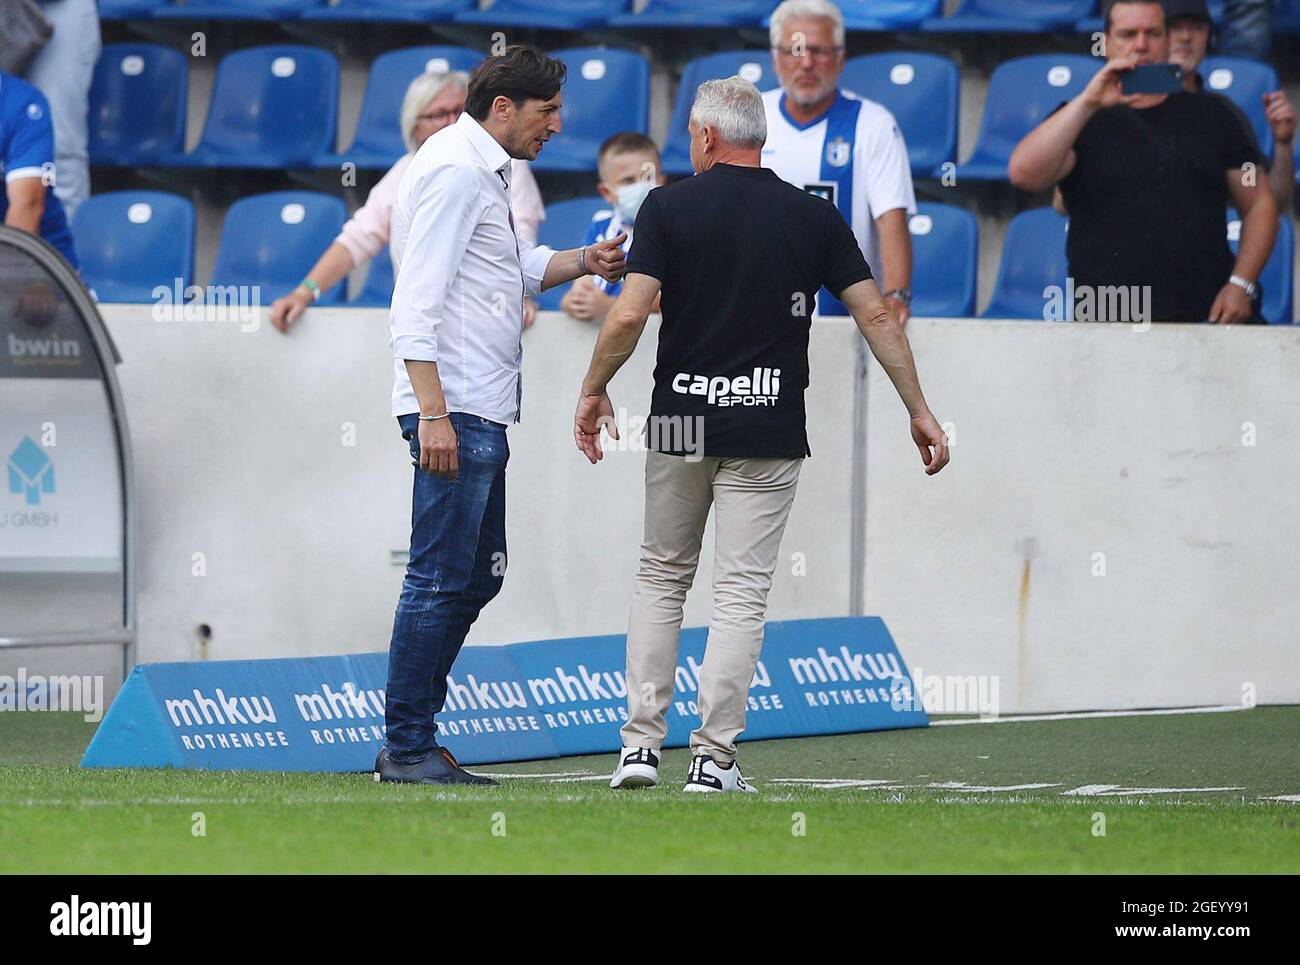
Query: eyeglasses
441	117
823	54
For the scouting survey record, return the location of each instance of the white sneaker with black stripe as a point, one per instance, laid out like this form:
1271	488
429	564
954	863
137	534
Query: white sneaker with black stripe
637	767
707	775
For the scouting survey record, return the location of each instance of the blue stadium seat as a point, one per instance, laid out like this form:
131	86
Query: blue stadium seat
545	14
1279	271
128	9
378	289
1033	257
1286	17
883	14
921	91
607	91
692	13
130	242
272	240
565	226
272	107
391	11
1245	82
137	104
271	10
1013	16
378	141
1022	92
753	65
945	253
1096	24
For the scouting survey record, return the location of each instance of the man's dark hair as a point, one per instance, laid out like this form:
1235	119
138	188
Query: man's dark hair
625	142
1112	4
520	73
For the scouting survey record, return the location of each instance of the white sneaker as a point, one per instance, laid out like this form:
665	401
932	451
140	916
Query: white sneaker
705	775
637	767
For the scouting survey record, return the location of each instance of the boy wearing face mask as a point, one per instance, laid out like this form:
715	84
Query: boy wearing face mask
629	168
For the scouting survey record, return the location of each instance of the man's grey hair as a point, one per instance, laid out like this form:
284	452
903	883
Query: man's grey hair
806	8
422	90
734	108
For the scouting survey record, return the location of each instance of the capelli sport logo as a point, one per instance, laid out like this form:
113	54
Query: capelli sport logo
77	918
760	387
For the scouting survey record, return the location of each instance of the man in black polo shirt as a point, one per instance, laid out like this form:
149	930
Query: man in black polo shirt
1147	180
739	256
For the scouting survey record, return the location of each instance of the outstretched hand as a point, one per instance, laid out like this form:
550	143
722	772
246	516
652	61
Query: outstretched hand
607	258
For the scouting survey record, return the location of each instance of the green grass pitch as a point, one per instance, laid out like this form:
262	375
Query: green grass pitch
943	799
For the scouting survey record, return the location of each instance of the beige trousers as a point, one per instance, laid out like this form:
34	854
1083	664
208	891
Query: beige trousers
751	499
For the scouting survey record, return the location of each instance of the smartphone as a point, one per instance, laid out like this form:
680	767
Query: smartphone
1152	79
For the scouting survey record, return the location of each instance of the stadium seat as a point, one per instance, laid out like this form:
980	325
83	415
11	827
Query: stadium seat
753	65
272	107
565	226
1012	16
1244	82
271	10
945	253
883	14
391	11
1096	24
130	242
692	13
378	141
921	91
1277	278
1033	257
607	91
1286	17
378	289
1022	92
128	9
137	104
272	240
545	14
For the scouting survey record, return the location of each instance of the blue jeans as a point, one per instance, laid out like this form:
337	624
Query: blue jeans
457	564
1247	29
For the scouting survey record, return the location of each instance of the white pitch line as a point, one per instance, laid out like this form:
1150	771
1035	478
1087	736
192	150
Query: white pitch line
1083	714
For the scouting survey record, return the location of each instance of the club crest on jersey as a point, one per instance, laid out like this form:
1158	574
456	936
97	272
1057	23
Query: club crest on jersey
838	152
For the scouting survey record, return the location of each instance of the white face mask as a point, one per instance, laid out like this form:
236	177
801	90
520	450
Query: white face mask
630	197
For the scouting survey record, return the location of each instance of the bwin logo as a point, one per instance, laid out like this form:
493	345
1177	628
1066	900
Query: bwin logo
30	472
133	919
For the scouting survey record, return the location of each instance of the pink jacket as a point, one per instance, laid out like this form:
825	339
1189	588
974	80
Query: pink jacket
366	233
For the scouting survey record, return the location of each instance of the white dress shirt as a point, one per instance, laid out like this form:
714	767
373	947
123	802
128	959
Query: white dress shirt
461	274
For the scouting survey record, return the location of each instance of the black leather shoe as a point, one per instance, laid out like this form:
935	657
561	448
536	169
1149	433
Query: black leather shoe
438	768
475	779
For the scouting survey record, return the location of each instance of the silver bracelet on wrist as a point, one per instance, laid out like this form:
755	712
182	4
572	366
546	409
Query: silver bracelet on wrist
431	418
582	261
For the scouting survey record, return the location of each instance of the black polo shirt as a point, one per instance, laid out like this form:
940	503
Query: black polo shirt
1148	199
740	255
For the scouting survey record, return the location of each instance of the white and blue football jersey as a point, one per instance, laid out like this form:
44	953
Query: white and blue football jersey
853	155
27	151
605	224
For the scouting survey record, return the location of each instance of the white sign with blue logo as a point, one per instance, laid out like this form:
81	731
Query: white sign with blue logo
61	493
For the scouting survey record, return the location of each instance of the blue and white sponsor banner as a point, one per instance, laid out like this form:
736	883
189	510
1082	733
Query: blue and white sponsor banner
524	701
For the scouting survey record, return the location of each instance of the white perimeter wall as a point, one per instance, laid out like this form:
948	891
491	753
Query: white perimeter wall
1070	441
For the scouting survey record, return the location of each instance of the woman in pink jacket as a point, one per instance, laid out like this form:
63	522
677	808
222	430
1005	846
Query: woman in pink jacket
433	100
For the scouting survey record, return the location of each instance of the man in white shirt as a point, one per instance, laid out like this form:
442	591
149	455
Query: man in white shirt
839	145
457	321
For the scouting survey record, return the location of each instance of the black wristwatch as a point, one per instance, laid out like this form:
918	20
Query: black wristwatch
903	295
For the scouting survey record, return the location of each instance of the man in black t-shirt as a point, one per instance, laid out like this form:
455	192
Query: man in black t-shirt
738	256
1147	180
